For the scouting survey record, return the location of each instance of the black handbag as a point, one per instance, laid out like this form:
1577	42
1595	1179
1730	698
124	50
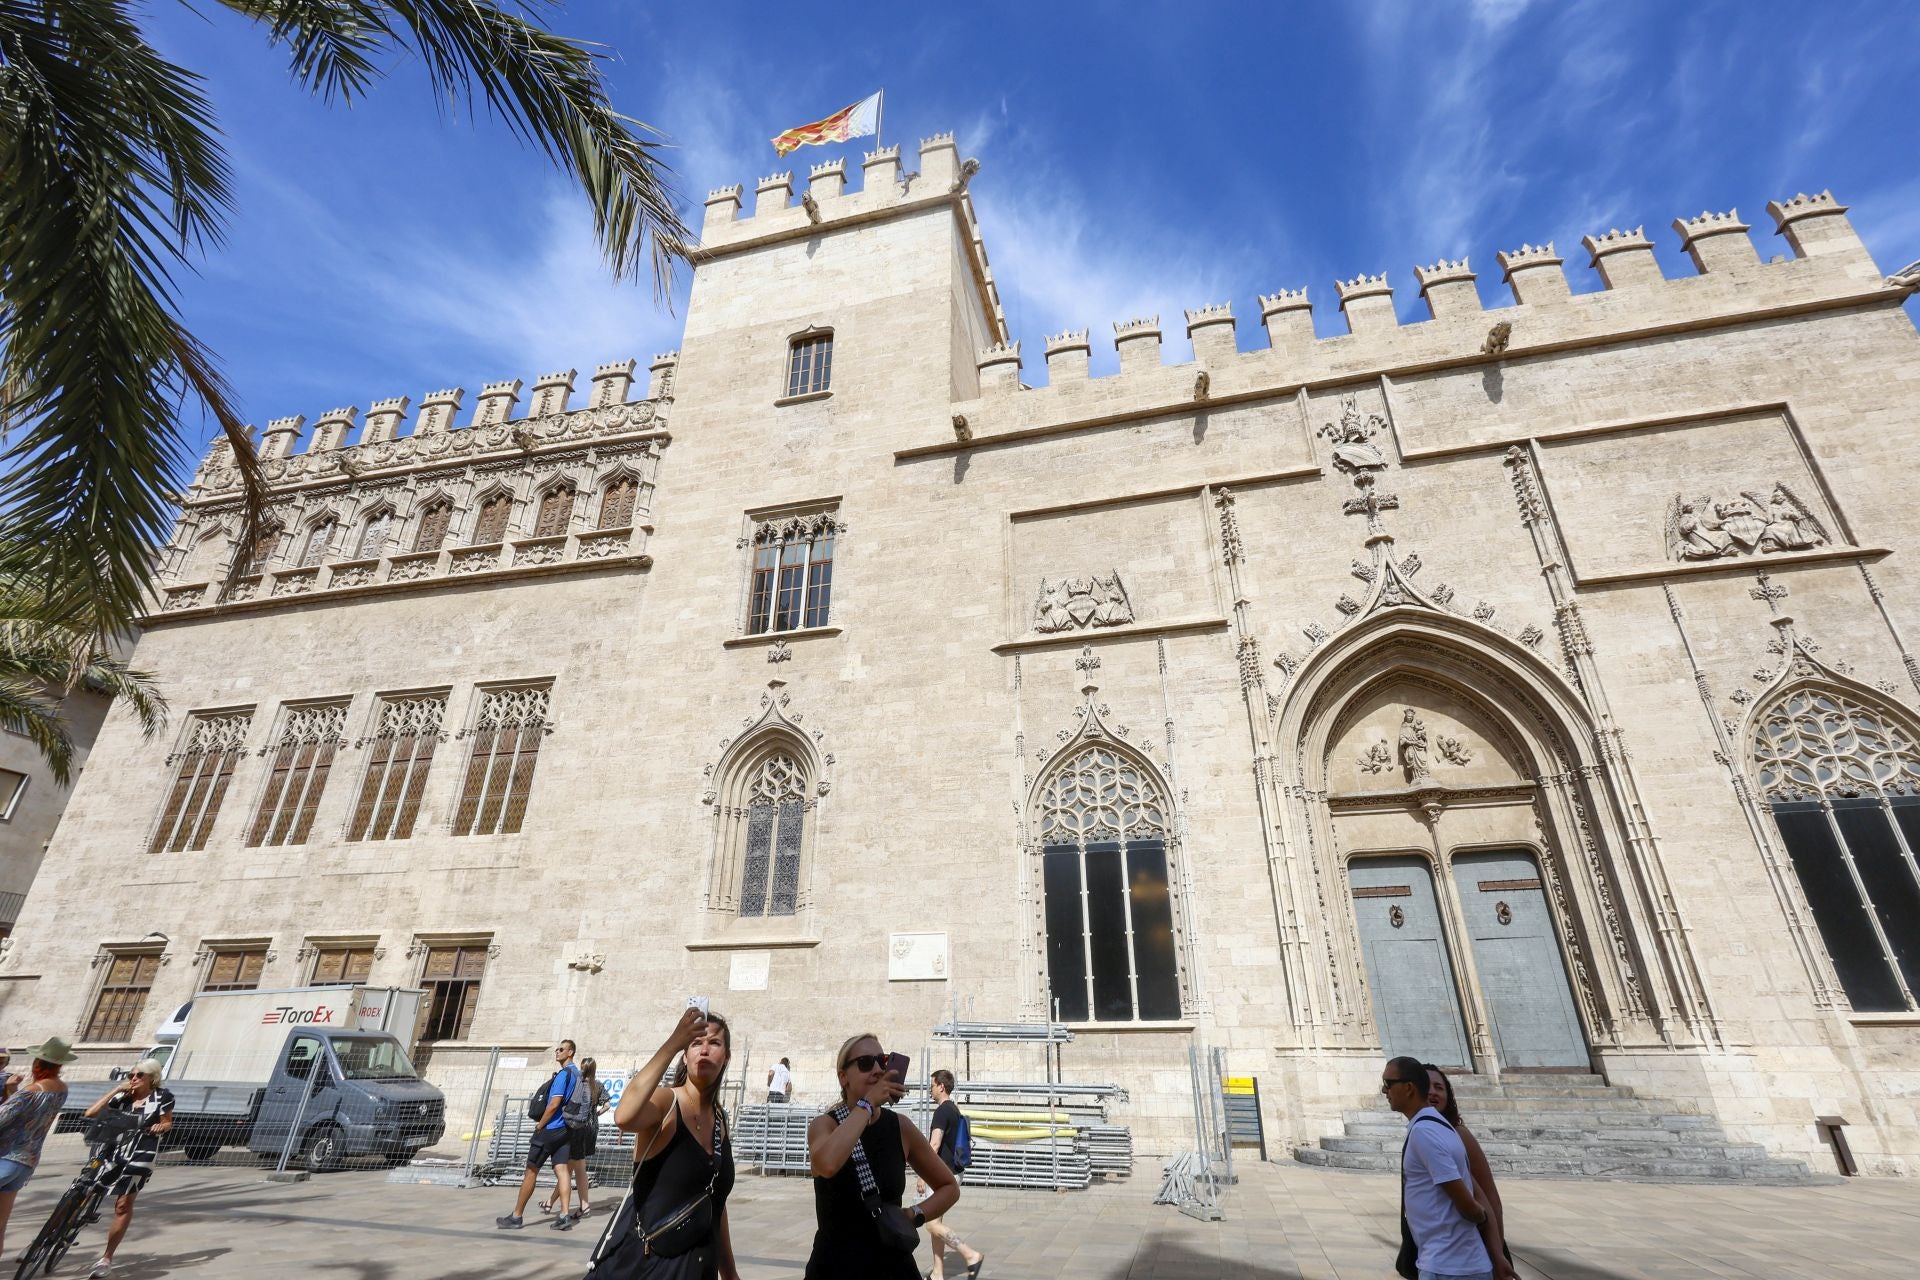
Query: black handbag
628	1241
895	1228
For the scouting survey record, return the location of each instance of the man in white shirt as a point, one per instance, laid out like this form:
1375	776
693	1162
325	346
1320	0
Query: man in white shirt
780	1082
1443	1211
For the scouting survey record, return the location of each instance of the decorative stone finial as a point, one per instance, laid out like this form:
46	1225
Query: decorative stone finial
551	392
1786	212
1139	327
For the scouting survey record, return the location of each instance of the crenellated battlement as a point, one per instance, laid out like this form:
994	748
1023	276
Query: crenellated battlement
1829	266
331	452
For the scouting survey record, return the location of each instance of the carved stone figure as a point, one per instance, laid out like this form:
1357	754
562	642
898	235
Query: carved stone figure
1700	528
1413	747
1078	604
1454	751
1352	437
1377	759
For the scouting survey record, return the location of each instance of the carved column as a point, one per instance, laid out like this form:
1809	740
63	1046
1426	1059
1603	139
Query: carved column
1880	603
1282	864
1680	966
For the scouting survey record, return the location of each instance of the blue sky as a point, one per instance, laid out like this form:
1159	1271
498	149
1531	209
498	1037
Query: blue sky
1135	159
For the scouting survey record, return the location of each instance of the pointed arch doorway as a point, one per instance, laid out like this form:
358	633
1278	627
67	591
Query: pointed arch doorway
1451	882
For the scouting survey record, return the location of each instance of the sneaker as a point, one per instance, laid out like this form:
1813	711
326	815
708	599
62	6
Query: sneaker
563	1223
509	1222
100	1268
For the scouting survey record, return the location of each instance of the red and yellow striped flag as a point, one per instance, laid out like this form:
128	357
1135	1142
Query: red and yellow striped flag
856	121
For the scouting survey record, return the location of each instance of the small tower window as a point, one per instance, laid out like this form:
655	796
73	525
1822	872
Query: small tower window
319	538
373	538
492	525
616	507
810	364
556	511
433	525
792	583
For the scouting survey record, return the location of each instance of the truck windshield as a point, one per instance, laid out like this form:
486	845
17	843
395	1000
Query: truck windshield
371	1059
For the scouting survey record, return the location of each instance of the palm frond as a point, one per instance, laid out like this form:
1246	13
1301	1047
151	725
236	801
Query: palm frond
25	709
331	43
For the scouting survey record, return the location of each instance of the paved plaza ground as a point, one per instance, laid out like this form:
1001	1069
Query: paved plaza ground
1284	1222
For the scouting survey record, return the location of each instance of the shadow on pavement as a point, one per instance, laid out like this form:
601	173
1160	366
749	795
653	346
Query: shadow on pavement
1159	1260
143	1266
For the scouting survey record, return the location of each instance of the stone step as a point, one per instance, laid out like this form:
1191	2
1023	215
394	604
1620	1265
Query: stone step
1463	1081
1530	1089
1586	1117
1573	1147
1656	1169
1558	1129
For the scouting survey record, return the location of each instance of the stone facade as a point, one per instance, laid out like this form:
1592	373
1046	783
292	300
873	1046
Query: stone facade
1535	581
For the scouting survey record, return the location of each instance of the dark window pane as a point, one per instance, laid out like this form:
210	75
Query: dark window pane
1837	909
786	859
1066	960
1890	884
1107	930
753	881
1152	929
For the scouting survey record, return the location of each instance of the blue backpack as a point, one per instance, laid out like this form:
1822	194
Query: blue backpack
962	1144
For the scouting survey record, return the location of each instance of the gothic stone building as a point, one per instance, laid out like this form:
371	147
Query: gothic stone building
1527	688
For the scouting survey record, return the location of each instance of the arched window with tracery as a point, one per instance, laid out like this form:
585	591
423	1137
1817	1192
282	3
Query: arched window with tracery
556	512
792	583
1843	779
263	548
776	804
616	503
1104	831
433	525
374	535
319	541
491	527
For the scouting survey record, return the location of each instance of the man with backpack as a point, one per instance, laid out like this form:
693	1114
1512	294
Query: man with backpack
546	1110
952	1140
1442	1214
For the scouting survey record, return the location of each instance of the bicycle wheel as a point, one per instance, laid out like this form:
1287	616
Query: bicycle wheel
74	1225
38	1254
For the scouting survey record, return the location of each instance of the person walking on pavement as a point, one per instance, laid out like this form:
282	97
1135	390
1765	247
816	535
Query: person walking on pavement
34	1098
549	1145
673	1225
780	1082
945	1139
139	1094
582	1113
1440	1212
1440	1098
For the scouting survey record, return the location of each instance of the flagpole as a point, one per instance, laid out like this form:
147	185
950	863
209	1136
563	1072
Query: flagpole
879	119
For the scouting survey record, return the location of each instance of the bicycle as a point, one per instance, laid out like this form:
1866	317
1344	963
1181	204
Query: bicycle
109	1139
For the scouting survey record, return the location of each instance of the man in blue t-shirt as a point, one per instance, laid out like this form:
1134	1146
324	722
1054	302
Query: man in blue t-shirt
1443	1210
549	1144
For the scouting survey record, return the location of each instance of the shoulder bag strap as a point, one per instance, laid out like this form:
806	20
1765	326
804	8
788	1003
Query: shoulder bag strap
868	1187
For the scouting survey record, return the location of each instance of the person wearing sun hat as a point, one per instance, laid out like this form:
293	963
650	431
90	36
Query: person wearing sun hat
33	1104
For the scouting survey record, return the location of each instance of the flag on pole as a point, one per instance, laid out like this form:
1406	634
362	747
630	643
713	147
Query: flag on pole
856	121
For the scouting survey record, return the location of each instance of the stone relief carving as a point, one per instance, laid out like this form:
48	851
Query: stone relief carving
1378	759
1413	747
1079	604
1352	438
1700	528
1453	751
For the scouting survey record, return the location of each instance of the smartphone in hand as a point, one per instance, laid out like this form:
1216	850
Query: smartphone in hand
700	1003
897	1067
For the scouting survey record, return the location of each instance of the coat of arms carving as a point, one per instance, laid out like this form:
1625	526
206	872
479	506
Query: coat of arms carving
1703	528
1081	604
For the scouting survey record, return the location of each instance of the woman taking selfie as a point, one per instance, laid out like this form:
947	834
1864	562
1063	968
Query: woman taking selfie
673	1226
860	1151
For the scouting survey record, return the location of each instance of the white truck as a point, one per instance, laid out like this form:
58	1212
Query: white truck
320	1066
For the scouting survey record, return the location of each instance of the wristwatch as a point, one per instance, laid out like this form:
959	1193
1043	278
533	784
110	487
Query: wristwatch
867	1107
919	1217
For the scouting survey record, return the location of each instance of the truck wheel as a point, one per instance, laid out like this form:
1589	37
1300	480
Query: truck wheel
325	1149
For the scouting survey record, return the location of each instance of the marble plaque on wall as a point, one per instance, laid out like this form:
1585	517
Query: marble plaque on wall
748	971
916	957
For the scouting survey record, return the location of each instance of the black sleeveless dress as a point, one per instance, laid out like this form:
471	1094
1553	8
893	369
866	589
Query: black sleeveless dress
847	1245
668	1180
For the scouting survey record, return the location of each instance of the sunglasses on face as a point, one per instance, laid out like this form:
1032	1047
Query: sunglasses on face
864	1062
1386	1086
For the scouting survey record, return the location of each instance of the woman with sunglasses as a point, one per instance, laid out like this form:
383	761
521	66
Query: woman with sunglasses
674	1227
1440	1098
849	1240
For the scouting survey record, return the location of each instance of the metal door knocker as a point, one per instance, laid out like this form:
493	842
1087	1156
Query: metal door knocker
1503	913
1396	917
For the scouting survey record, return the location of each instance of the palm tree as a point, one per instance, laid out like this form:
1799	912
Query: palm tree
50	647
112	177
